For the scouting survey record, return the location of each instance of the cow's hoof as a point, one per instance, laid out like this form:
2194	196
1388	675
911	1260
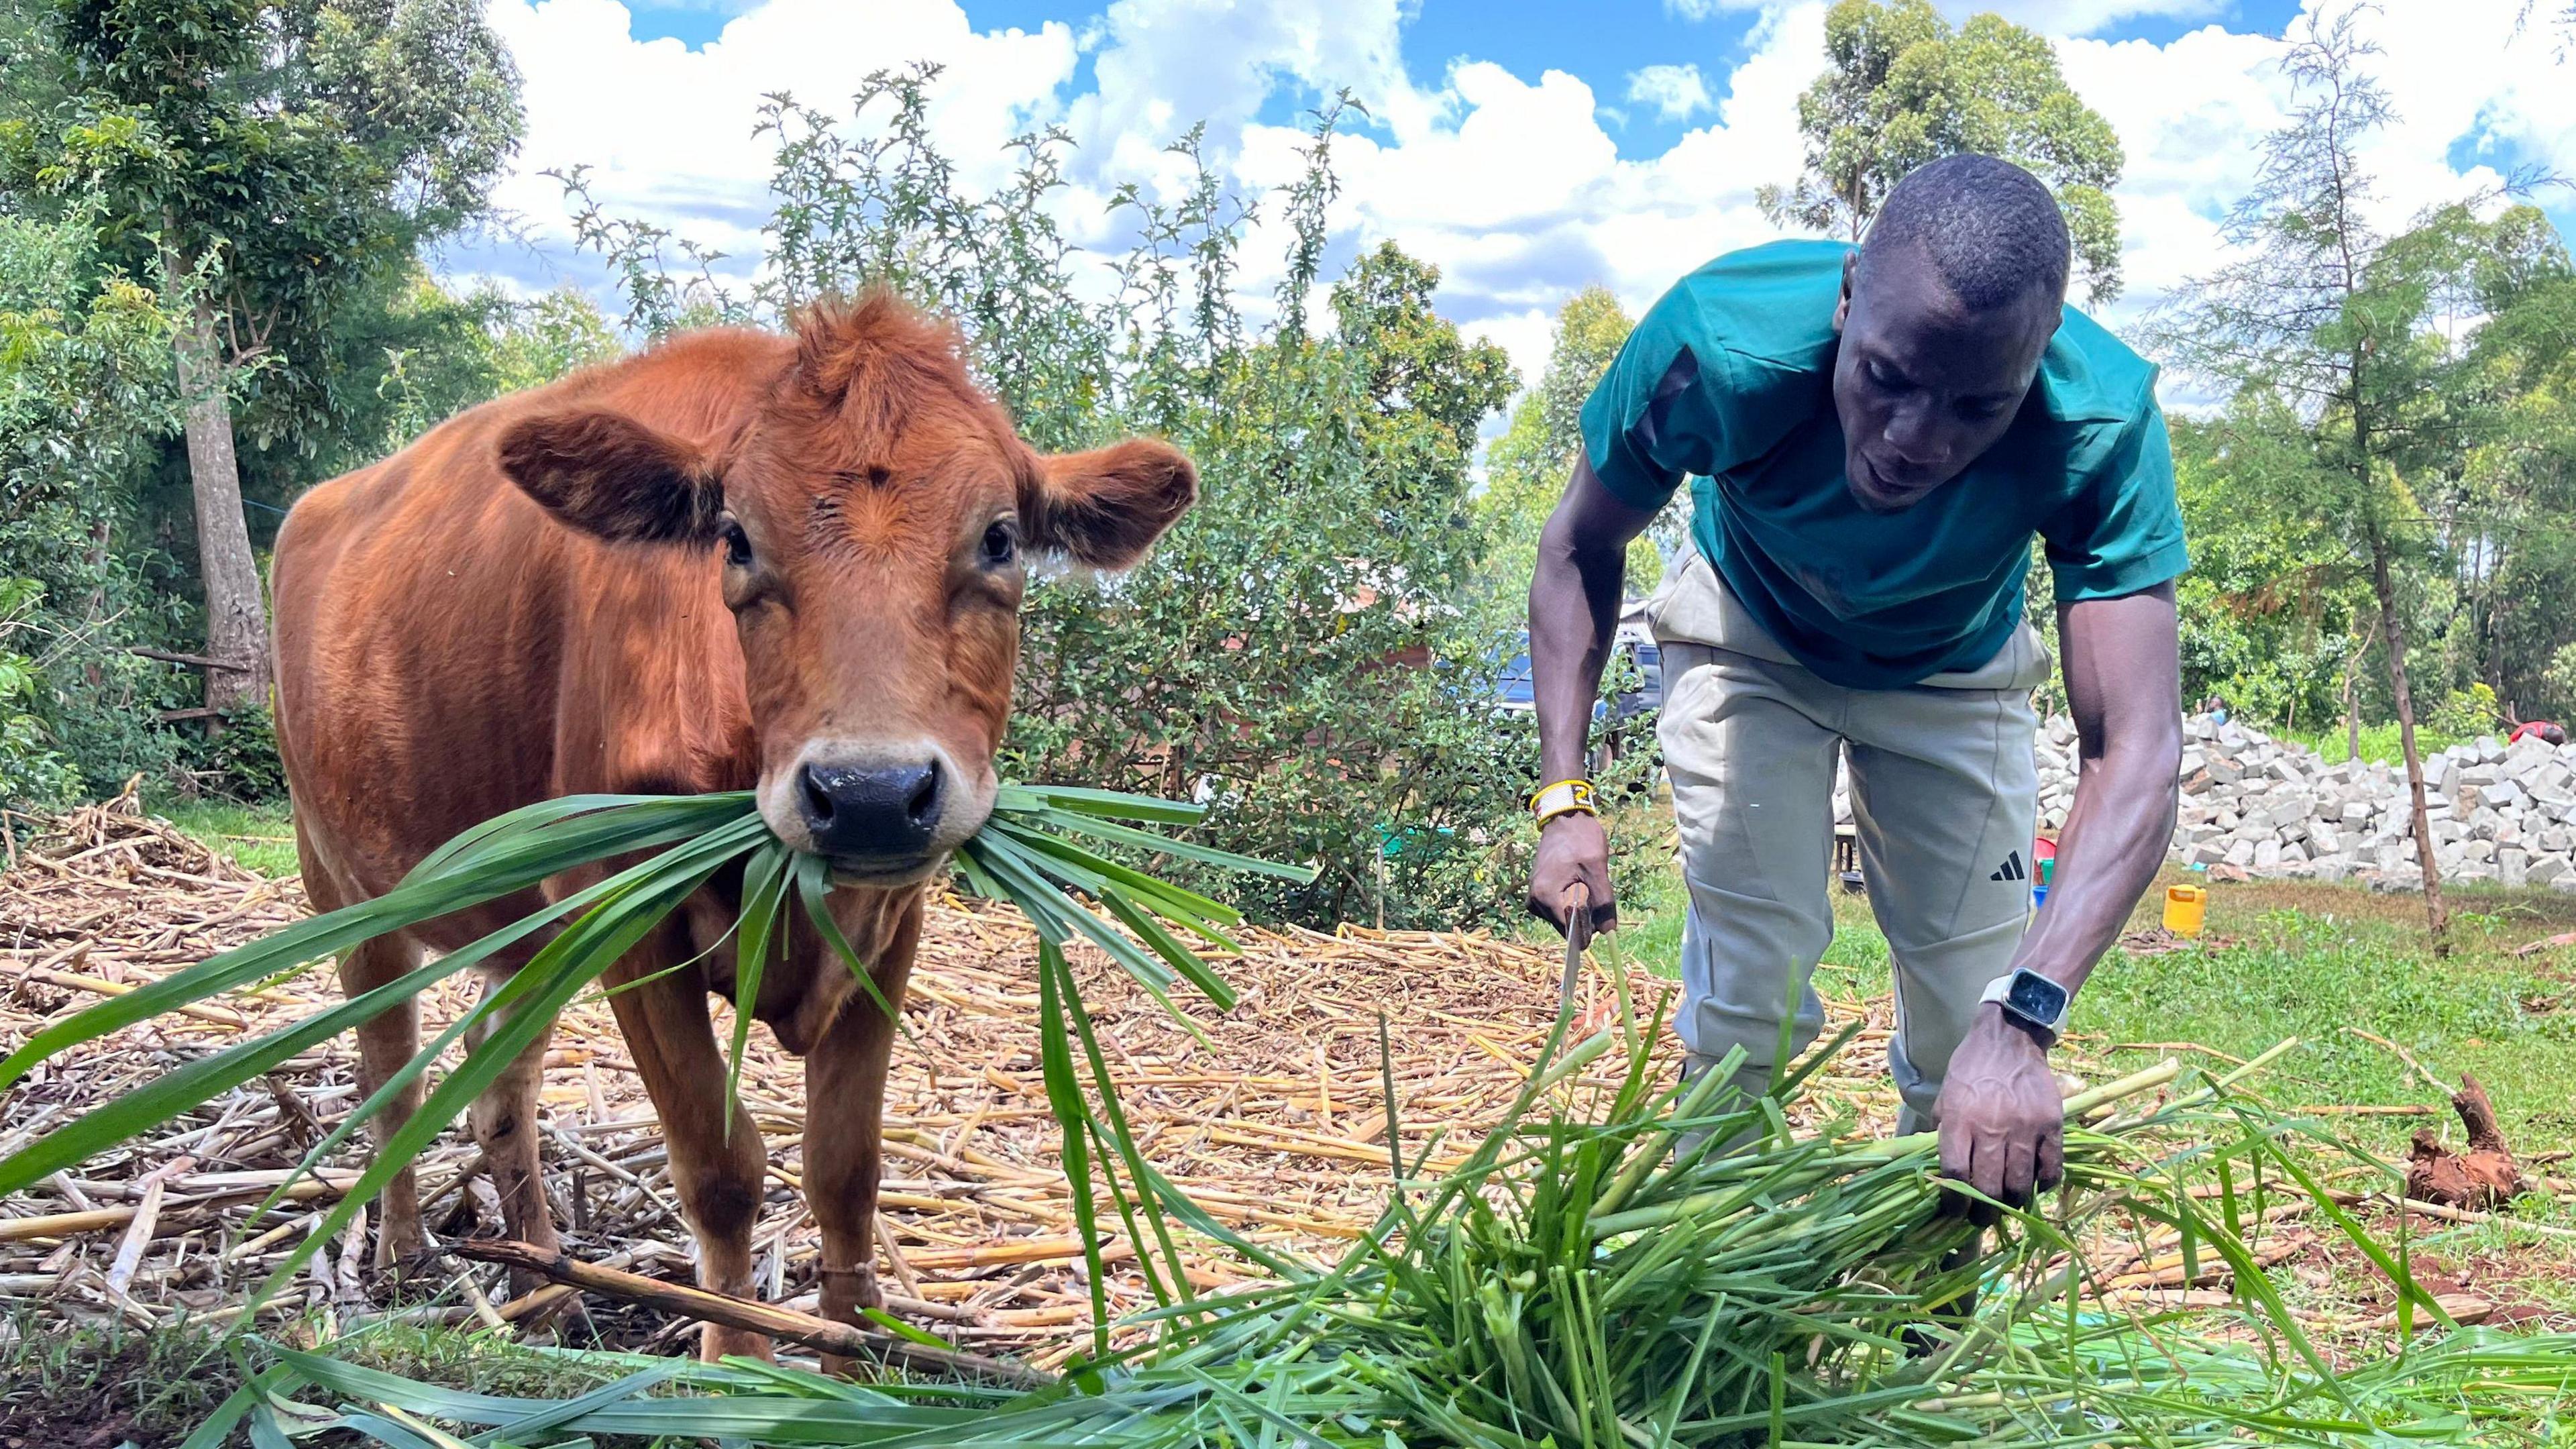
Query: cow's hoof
402	1249
848	1291
407	1273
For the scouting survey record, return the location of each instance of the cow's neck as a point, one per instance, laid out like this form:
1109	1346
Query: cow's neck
654	699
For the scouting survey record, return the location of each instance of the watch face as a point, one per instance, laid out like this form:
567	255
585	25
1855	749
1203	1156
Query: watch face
2034	997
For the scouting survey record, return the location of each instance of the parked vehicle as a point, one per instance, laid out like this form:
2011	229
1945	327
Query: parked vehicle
1515	694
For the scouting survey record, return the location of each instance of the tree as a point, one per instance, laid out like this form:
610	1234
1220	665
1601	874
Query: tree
434	352
538	340
1904	87
2322	327
1526	469
2272	611
266	160
2510	395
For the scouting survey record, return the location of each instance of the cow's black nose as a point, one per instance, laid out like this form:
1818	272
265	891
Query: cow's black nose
870	812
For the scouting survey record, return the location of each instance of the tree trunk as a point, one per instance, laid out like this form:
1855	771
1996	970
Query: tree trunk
2393	631
100	535
236	616
2351	709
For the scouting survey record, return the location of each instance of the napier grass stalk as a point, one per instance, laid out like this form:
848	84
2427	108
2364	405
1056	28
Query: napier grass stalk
1029	853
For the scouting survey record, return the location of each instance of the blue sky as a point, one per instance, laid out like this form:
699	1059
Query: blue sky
1526	148
1609	39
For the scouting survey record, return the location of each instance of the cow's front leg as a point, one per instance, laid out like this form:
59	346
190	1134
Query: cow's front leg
718	1173
505	1127
845	1077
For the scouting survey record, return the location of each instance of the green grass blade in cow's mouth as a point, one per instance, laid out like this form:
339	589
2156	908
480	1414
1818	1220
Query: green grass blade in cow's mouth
1027	854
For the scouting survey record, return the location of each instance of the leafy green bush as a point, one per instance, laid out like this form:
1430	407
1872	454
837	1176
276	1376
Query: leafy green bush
2561	680
85	393
31	774
94	510
235	760
1312	649
2466	713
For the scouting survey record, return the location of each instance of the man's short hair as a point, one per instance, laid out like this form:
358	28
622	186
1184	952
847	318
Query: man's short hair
1992	231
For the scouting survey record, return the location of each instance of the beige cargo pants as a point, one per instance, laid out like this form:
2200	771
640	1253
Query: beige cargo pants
1943	793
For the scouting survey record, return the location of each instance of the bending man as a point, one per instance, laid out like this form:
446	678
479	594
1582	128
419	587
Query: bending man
1874	437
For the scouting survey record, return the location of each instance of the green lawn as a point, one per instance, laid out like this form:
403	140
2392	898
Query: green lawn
2280	959
2379	742
257	837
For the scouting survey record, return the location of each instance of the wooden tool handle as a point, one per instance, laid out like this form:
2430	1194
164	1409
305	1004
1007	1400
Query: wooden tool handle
1578	935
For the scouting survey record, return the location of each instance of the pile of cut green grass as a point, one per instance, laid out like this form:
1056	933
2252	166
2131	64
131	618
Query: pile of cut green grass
1595	1274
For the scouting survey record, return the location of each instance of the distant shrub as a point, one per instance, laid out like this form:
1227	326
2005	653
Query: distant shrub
2466	713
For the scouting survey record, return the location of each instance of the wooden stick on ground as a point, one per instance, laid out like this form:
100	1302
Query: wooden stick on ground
70	982
138	1234
816	1333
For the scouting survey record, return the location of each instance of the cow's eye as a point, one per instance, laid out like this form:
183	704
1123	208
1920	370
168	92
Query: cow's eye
1001	543
737	545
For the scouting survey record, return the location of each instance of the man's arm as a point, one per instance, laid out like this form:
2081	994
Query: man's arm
1573	615
2002	1130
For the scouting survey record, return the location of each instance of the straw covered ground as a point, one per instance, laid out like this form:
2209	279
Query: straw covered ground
1279	1128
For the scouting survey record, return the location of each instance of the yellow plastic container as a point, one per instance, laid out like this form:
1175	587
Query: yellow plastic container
2185	907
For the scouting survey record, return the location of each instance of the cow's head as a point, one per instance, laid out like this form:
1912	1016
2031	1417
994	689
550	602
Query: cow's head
872	521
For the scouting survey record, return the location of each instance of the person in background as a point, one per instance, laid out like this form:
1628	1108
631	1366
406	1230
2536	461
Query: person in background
2545	731
1873	436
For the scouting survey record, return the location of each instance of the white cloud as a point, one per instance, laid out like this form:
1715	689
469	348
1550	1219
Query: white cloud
1165	65
2192	116
666	131
1508	182
1677	92
1516	192
2189	116
1707	9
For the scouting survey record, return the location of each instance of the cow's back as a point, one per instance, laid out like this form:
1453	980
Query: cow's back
446	651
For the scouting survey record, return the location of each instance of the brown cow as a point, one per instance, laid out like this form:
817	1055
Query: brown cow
736	561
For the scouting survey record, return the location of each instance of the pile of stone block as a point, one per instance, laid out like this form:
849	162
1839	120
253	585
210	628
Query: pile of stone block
2498	813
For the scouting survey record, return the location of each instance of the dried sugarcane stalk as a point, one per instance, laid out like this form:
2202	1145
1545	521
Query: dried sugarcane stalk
698	1303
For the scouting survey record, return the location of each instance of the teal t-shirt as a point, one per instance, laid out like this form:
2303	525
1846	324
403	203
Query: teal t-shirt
1728	381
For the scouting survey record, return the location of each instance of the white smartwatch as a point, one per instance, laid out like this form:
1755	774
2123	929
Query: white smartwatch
2034	1001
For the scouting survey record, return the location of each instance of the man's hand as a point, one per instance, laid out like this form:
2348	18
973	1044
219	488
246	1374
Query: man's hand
2003	1124
1573	850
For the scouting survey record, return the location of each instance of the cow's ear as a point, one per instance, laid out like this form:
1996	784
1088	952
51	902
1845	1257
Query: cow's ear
1106	507
611	476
